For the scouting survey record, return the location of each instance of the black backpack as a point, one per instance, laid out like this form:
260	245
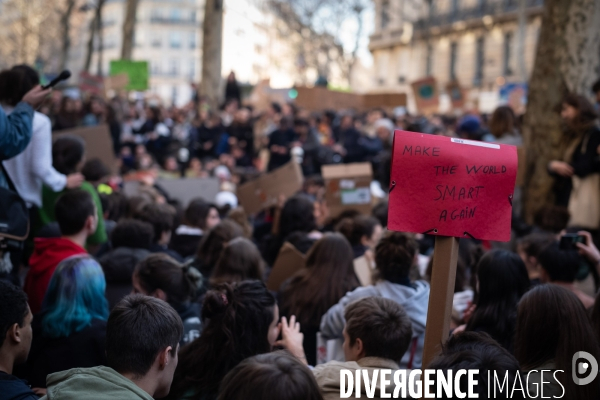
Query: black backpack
14	215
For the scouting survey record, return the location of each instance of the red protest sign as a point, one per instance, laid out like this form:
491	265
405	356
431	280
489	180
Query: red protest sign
451	187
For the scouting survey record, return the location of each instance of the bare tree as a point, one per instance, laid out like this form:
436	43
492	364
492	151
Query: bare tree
212	50
96	36
568	55
65	23
30	31
129	29
319	23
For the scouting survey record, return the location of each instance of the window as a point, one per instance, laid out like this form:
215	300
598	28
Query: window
508	39
428	60
155	67
455	6
479	59
175	40
156	14
175	14
453	54
385	14
173	67
432	8
192	74
193	40
156	40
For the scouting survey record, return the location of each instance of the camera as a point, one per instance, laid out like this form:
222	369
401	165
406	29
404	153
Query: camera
569	241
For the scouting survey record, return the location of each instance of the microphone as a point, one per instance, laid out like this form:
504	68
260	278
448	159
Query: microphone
66	74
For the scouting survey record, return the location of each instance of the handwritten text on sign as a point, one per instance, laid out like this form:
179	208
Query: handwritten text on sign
451	187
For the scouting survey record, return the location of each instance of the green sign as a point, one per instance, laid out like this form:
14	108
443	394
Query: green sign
136	70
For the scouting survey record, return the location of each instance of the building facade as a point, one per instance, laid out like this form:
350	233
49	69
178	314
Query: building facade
483	45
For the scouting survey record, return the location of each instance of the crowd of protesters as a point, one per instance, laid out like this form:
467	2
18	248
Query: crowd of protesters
137	296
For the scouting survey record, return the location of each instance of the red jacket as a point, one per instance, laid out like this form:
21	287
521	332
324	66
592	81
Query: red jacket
47	254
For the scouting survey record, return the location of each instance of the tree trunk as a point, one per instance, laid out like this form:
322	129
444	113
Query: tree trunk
568	51
95	29
522	22
212	44
65	21
129	30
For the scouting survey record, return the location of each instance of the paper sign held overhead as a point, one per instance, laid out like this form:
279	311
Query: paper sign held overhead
451	187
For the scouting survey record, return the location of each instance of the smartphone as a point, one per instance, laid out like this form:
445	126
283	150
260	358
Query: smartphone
569	241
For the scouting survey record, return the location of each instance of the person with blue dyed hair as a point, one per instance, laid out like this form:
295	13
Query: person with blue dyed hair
70	332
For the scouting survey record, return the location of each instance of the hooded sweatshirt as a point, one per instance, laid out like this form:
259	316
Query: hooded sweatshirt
414	299
47	254
92	384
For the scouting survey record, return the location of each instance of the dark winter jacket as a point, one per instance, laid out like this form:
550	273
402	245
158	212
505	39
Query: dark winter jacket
13	388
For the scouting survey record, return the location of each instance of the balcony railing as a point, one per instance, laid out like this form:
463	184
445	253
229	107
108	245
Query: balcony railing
172	21
489	7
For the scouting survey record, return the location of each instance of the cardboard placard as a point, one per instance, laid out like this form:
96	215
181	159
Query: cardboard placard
91	83
187	189
426	95
456	94
116	82
98	143
288	262
348	187
137	71
263	192
451	187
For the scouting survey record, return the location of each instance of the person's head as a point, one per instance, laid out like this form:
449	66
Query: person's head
301	126
15	82
161	217
240	260
277	375
213	242
201	214
95	171
376	327
529	249
553	325
76	213
68	153
394	256
160	276
558	265
361	230
380	211
328	275
132	233
503	121
298	214
477	351
502	280
15	323
142	339
75	297
384	129
240	321
578	112
552	218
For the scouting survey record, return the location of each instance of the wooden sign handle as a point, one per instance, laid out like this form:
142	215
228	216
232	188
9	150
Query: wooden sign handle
443	276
